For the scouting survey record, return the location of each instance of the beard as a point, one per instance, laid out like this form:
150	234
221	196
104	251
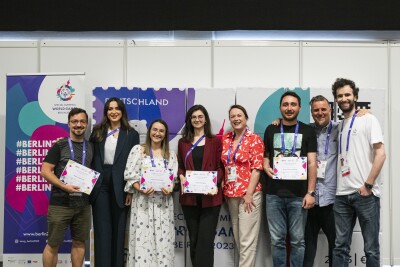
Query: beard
291	117
78	131
349	108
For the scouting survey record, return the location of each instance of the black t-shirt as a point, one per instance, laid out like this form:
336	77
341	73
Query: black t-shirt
197	156
59	155
306	142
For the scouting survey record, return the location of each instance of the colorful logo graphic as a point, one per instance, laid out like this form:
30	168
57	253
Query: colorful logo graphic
65	92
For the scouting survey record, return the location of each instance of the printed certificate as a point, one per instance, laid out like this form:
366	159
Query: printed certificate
157	178
79	175
201	182
290	168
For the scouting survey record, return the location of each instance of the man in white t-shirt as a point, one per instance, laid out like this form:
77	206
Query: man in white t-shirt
360	160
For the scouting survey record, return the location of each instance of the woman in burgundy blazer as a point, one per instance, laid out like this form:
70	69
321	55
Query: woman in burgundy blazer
199	150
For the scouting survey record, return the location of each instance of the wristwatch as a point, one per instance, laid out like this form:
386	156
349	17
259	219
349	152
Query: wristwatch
311	193
368	186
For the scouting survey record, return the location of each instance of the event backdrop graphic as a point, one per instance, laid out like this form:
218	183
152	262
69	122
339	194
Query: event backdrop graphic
145	105
36	115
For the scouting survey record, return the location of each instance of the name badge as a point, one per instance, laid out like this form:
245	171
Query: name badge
321	168
231	171
344	167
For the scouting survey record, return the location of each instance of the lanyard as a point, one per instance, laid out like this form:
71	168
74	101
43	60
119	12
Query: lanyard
193	147
328	134
296	133
152	159
228	160
348	134
112	132
71	148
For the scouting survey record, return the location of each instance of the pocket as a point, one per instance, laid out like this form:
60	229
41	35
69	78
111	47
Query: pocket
368	196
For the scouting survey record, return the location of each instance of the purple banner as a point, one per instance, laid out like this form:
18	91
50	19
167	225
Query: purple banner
37	108
145	105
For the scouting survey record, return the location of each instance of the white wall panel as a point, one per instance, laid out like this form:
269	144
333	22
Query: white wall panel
256	64
365	63
169	64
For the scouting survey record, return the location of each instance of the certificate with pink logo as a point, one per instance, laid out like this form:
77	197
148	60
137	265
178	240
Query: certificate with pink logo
157	178
200	182
79	175
290	168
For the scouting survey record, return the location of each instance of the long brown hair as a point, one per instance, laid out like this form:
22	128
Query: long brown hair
164	142
188	129
100	130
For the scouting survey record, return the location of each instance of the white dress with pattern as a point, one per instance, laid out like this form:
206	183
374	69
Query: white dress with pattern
151	229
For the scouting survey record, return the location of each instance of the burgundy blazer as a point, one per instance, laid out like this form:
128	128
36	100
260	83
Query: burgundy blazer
211	162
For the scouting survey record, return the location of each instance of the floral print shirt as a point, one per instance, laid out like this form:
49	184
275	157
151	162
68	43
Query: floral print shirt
248	157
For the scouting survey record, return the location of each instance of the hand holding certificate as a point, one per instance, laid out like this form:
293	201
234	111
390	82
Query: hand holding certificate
157	178
79	175
201	182
290	168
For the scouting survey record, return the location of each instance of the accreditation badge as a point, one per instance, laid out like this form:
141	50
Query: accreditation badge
321	168
232	175
344	167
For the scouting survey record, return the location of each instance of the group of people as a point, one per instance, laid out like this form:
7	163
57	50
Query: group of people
339	182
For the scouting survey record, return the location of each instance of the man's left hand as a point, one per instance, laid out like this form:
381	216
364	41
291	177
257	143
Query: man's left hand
308	202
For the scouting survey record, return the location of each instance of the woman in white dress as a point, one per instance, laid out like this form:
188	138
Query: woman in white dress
151	228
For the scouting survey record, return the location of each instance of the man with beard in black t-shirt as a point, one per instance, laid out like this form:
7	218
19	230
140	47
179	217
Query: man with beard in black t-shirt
68	206
288	198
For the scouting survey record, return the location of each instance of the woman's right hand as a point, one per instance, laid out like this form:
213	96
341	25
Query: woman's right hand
248	203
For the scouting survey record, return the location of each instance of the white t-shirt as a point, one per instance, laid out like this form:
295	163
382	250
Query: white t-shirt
365	132
109	149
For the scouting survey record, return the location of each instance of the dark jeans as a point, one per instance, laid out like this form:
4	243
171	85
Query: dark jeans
347	209
201	223
317	218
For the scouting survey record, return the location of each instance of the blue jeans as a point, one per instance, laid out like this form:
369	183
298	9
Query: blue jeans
285	214
347	209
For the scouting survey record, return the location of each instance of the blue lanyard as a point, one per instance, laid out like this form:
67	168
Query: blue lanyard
112	132
228	160
348	134
296	133
328	134
71	148
193	147
152	159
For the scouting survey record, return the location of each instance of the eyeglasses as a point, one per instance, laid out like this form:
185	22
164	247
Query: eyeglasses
78	121
200	117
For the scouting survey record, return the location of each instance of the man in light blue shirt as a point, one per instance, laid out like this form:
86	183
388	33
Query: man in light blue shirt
321	215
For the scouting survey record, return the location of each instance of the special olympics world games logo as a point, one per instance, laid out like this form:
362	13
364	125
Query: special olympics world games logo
65	92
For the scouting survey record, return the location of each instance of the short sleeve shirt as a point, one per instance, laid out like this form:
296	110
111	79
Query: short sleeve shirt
306	143
248	157
58	155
